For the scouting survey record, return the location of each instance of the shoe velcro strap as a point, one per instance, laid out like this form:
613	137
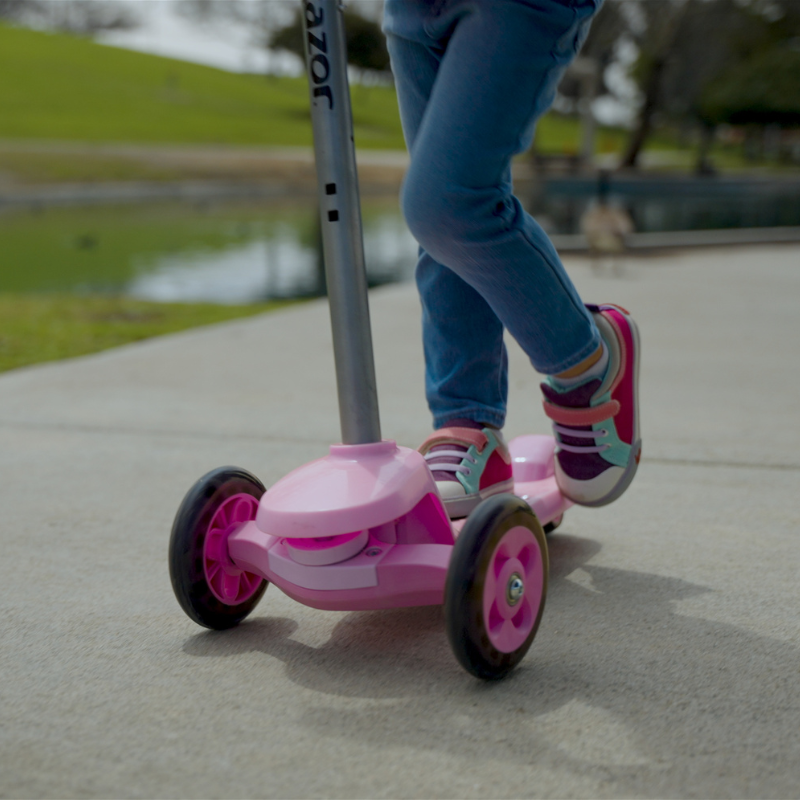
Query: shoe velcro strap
461	436
578	417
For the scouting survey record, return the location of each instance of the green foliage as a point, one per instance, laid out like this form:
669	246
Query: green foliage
56	86
366	45
73	16
37	328
690	49
764	90
290	37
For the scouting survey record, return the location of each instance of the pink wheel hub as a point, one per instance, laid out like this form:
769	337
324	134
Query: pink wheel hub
513	589
229	584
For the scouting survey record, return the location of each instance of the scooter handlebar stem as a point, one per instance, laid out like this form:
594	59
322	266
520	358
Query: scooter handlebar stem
340	214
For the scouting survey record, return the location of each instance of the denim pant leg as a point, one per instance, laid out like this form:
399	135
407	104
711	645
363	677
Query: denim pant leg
473	76
466	365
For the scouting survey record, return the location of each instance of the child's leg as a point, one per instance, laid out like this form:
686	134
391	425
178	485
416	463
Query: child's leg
473	76
466	375
497	63
465	358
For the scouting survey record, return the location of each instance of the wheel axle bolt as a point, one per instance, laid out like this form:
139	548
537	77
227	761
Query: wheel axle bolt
515	589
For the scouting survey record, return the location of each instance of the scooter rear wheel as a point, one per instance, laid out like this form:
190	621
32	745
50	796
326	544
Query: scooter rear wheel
496	586
210	588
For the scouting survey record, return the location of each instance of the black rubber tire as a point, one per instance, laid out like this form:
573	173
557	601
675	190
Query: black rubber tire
553	524
186	547
466	576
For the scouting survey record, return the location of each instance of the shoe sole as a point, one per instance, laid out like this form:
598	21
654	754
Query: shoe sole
460	507
623	483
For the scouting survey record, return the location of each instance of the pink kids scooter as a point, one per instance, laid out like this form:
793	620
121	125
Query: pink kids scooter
364	527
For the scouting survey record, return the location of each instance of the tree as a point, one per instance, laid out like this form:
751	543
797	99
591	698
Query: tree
765	90
686	46
366	45
82	17
261	17
584	79
608	27
662	22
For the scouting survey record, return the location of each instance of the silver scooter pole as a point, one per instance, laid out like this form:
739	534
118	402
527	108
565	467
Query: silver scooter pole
340	211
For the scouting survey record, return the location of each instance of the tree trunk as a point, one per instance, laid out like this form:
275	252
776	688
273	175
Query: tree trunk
652	89
642	130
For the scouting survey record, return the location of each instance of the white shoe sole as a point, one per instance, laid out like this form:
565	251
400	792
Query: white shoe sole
458	507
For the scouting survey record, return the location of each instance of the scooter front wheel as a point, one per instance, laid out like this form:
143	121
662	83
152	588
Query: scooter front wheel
496	586
210	588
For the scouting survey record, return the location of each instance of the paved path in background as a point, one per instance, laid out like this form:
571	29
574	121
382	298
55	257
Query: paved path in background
668	659
194	172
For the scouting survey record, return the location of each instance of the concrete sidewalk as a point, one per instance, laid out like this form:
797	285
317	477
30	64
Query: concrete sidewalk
668	660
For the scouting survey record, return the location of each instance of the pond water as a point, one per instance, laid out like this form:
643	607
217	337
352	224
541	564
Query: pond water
226	253
241	252
671	204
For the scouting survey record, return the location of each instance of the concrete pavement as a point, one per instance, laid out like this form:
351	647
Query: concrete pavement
668	660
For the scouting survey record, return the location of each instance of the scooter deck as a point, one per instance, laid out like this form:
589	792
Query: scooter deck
391	570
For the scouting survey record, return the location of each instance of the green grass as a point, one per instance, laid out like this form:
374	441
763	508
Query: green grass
39	328
61	87
67	88
64	87
557	134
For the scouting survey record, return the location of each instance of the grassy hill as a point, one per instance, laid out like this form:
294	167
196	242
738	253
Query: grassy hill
55	86
60	87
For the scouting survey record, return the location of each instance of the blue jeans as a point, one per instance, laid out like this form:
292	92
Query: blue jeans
473	77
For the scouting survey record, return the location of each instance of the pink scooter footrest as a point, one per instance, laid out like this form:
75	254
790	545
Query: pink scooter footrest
533	464
544	497
532	457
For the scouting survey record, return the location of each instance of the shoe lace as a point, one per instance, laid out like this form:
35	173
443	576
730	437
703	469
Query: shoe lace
432	456
574	422
576	434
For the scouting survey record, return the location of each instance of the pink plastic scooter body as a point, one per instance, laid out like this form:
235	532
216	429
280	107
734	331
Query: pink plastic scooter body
389	492
533	466
353	488
380	576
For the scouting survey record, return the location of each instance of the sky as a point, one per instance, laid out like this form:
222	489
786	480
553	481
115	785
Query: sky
165	31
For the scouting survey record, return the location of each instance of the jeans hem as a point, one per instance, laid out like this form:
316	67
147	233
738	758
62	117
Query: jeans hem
481	415
569	363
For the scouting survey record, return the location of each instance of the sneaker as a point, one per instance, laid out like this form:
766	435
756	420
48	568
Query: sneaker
468	466
596	423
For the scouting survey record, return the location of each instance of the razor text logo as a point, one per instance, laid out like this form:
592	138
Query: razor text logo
319	68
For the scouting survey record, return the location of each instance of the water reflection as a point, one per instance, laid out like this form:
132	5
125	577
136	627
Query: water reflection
669	204
278	265
244	252
245	273
224	253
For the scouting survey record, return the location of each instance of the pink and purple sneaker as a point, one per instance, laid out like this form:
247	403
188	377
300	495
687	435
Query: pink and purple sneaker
596	422
468	466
